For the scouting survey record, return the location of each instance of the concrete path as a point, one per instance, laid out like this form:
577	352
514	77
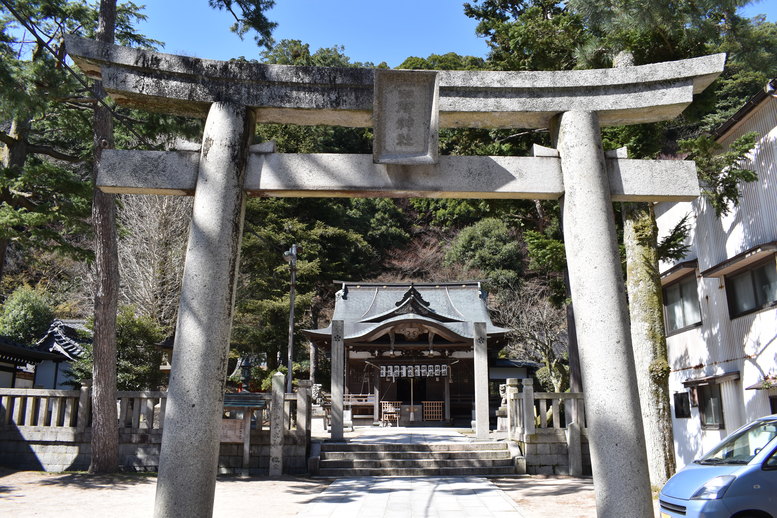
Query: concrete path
411	497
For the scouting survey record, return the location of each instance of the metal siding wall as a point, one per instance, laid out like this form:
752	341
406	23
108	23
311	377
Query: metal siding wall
748	343
752	223
758	207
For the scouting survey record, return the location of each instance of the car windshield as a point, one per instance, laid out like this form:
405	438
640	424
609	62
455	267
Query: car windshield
741	447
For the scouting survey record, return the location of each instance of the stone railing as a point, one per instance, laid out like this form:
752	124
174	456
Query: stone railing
50	430
549	426
142	410
34	408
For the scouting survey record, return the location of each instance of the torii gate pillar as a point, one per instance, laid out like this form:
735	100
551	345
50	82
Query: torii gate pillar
618	455
188	459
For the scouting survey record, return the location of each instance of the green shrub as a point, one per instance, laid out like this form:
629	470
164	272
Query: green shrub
26	315
490	247
138	355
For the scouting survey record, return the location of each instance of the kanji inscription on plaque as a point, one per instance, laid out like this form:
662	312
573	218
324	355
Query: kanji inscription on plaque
406	120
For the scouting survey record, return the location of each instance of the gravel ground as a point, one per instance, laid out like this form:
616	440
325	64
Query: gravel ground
52	495
544	497
64	495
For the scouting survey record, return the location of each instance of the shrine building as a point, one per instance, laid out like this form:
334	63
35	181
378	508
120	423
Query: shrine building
409	351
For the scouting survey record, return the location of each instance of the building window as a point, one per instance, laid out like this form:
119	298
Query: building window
682	405
681	304
710	406
752	289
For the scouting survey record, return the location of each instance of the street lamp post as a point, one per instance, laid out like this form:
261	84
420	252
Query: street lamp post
290	256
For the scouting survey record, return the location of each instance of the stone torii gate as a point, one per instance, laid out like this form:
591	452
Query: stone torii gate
406	108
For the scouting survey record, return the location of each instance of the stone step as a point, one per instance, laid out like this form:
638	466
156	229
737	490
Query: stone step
426	447
441	455
458	458
415	472
416	463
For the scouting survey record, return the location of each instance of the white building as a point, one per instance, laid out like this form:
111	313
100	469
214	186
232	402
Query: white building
720	301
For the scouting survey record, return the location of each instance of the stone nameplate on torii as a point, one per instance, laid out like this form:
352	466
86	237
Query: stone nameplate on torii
405	108
405	117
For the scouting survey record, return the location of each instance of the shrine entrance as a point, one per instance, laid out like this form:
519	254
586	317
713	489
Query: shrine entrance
406	109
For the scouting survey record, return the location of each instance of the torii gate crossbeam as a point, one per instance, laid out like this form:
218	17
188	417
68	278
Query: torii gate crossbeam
234	95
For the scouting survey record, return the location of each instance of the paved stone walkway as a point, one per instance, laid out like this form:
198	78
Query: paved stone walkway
411	497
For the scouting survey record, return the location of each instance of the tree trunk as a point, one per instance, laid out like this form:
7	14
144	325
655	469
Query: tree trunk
13	156
3	251
105	432
648	337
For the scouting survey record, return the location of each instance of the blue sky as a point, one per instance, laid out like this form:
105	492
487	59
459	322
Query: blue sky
370	30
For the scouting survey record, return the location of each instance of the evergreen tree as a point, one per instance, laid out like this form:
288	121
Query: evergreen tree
26	315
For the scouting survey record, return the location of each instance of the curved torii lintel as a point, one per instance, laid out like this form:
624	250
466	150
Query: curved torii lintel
344	96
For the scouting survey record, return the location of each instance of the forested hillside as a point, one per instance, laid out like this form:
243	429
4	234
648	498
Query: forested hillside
513	246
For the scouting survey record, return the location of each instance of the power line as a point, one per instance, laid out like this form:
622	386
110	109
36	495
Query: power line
35	32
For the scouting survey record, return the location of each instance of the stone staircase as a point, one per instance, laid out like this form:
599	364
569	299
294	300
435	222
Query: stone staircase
343	459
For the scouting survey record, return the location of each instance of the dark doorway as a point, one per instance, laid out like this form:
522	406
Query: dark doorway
404	390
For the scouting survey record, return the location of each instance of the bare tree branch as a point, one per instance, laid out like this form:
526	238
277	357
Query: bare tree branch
538	328
151	253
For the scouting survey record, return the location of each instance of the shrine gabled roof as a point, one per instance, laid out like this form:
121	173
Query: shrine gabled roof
14	352
367	308
65	339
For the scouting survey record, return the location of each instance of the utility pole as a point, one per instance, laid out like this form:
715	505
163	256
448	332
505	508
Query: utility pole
290	256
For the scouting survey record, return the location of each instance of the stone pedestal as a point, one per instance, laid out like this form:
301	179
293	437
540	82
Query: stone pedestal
304	413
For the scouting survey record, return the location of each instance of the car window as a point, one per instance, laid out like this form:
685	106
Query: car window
741	447
771	462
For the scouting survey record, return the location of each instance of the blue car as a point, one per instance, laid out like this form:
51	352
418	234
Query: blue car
737	479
